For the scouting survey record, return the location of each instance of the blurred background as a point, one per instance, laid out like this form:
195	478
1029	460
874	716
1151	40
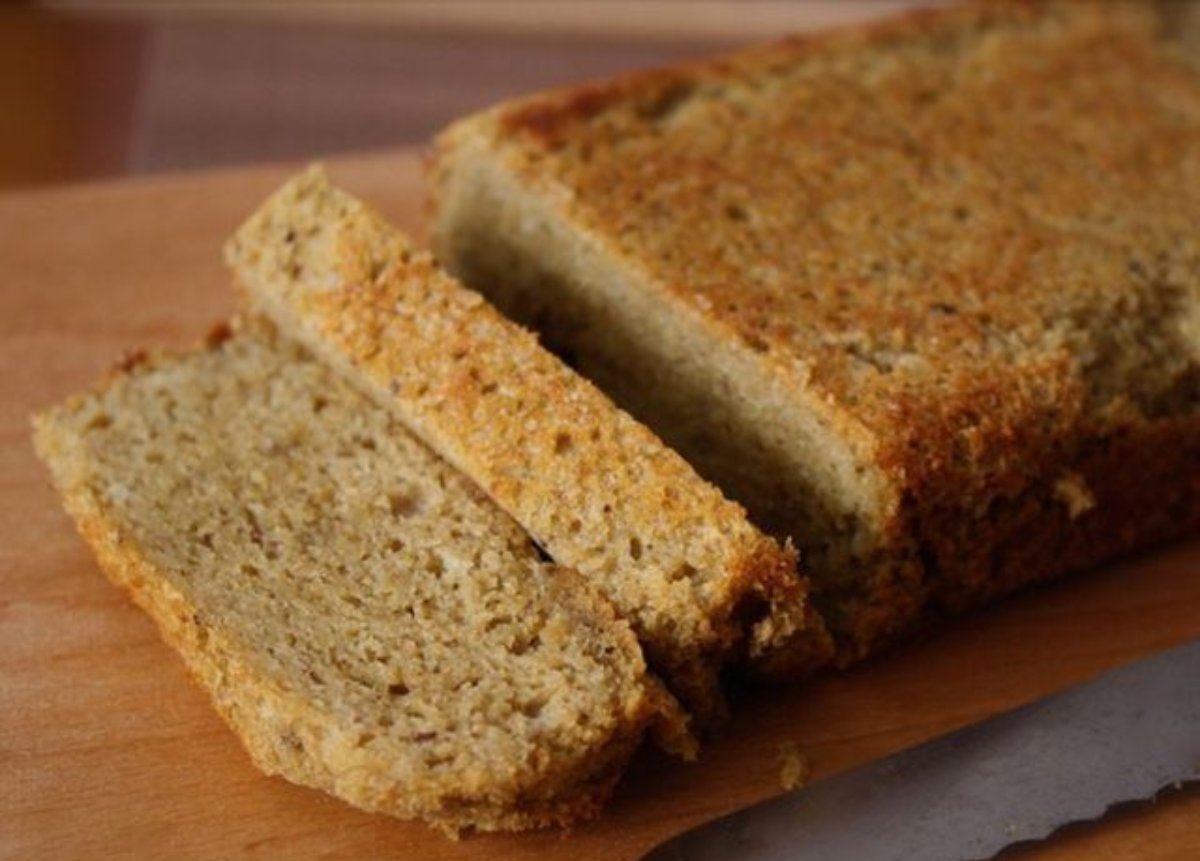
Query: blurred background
92	90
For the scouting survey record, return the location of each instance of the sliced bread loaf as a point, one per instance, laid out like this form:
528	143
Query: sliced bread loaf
597	490
363	617
924	296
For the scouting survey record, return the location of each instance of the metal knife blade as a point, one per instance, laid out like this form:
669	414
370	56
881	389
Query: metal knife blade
1014	777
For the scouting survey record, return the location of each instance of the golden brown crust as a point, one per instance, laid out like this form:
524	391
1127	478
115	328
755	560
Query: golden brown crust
595	488
966	238
552	117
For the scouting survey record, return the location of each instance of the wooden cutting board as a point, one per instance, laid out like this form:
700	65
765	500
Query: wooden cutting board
107	750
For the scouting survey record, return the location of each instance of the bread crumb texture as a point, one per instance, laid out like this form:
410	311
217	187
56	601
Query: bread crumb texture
363	617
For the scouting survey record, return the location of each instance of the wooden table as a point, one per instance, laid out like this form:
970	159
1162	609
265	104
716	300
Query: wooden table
106	750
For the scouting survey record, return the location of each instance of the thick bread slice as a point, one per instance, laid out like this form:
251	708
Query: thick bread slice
363	617
923	296
596	489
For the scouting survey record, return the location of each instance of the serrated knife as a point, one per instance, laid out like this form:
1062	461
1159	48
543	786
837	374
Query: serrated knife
1015	777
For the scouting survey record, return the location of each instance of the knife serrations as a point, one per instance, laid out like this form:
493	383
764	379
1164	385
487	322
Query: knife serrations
1015	777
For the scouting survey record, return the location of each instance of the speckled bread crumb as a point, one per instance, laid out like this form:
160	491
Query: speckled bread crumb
364	619
599	492
885	286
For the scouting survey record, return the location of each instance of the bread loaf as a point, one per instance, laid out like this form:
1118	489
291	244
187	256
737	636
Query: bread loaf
924	296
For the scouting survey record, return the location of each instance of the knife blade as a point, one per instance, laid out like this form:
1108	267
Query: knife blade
1015	777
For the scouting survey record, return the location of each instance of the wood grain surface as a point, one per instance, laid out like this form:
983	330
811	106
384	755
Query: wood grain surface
107	750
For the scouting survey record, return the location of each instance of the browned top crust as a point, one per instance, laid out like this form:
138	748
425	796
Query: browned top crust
970	234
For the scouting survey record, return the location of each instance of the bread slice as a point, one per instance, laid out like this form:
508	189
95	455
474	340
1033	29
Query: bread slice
597	490
363	617
924	296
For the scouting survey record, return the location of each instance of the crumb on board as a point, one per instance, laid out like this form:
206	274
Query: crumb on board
1072	491
794	768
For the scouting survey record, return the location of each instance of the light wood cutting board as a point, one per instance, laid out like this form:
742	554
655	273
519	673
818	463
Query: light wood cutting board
106	749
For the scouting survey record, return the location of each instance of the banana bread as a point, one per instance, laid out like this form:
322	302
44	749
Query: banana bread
596	489
363	617
924	296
